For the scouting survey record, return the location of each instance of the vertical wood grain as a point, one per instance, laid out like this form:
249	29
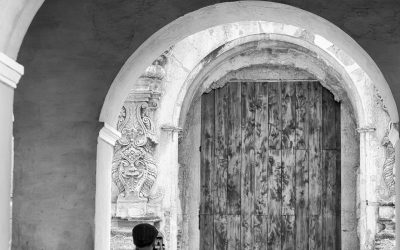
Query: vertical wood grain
316	231
315	167
302	109
331	167
302	165
260	225
234	149
248	163
338	177
288	109
220	232
328	124
274	167
289	232
288	182
207	152
261	137
270	167
274	199
302	213
274	115
329	163
221	159
233	232
206	225
288	198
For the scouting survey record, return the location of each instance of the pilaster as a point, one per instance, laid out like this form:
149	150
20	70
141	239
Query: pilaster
10	74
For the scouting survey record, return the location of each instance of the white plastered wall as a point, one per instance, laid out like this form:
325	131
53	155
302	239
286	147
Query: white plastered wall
15	18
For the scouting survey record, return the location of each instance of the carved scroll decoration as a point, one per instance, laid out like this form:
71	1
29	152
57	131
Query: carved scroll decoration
134	169
389	164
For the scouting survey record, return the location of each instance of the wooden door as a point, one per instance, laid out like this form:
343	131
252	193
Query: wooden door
270	167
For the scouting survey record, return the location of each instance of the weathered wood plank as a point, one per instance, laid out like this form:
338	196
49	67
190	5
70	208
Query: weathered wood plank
248	163
329	216
261	136
275	182
338	182
337	125
221	159
302	107
207	152
314	141
260	225
220	232
206	224
274	115
234	148
302	199
328	120
288	182
289	232
324	197
288	198
315	166
274	173
233	233
288	100
331	164
274	199
316	231
288	164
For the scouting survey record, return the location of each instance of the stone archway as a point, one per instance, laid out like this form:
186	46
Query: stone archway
163	92
16	16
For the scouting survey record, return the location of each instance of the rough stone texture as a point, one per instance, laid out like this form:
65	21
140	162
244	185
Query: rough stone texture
350	162
384	239
71	54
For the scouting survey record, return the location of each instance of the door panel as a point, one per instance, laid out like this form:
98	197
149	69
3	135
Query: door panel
270	167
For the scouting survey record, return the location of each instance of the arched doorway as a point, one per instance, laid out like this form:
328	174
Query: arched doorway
262	69
165	89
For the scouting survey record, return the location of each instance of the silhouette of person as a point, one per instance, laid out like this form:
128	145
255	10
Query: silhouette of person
144	236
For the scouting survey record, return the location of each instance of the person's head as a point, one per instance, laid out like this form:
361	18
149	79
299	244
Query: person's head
144	236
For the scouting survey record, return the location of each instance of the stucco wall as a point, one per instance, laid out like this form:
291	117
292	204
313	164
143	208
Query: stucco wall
71	53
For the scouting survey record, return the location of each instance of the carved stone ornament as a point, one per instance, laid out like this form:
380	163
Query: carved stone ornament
135	195
389	164
134	169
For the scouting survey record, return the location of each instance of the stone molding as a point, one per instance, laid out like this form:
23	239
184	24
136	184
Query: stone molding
10	71
362	130
109	134
328	37
171	128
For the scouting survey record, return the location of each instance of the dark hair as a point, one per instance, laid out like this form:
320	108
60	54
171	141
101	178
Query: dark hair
144	235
